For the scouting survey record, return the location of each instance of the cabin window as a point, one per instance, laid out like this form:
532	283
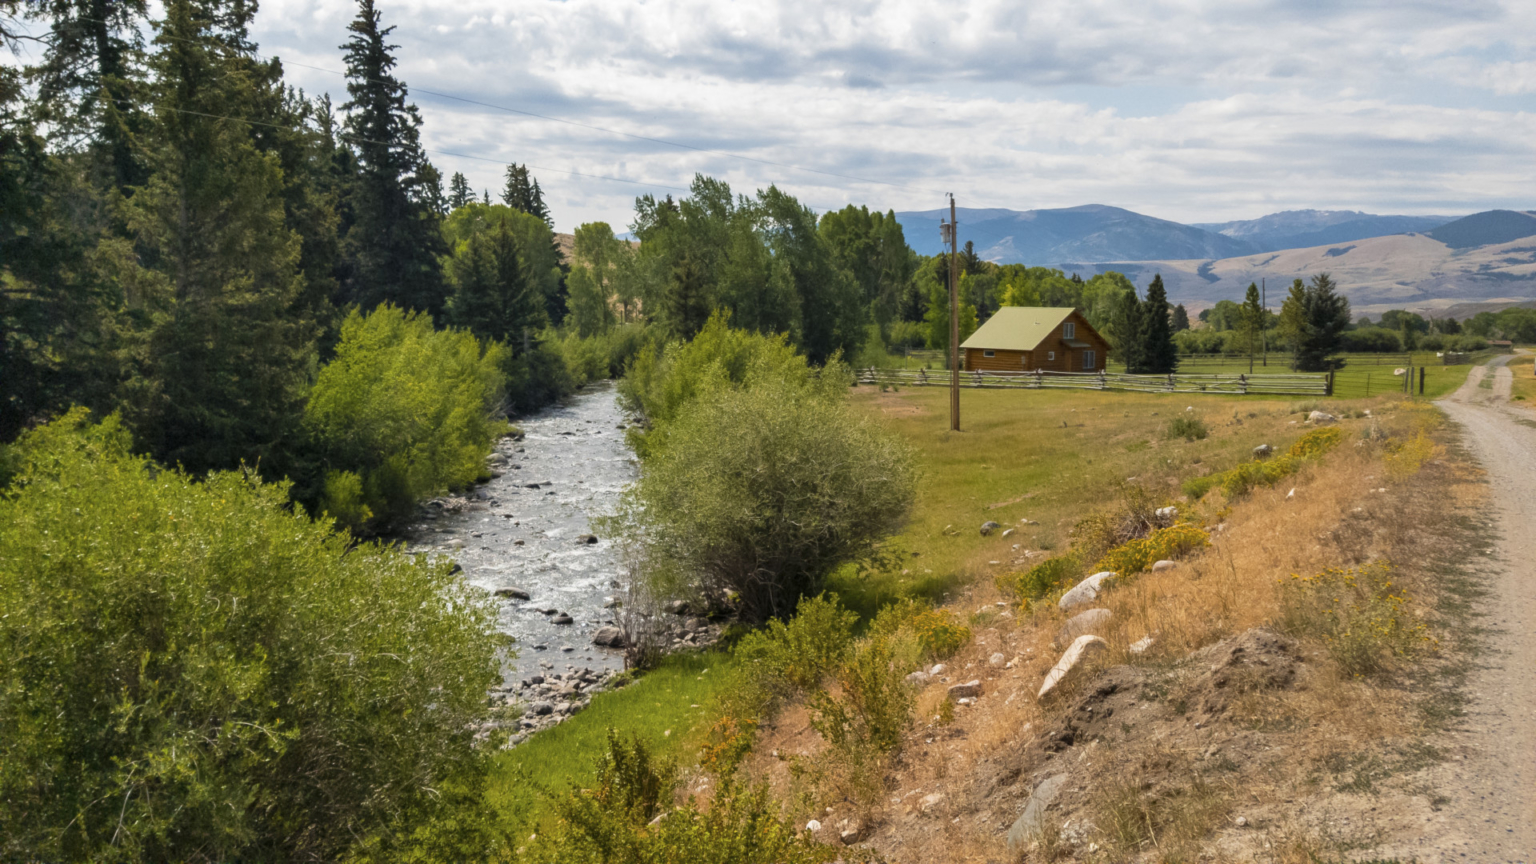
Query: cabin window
989	353
1050	355
1088	361
1069	330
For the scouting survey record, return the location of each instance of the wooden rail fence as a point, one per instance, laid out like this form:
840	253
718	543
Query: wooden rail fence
1283	384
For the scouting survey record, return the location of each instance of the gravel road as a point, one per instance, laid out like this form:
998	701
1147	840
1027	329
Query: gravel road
1491	777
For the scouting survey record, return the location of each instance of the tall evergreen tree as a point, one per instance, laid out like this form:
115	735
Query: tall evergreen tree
223	367
1161	357
492	294
1180	318
459	192
1251	323
1312	318
90	86
1128	328
395	241
522	192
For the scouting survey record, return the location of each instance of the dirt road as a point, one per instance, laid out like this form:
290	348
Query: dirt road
1490	779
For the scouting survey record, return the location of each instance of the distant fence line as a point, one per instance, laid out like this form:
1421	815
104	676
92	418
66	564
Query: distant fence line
1280	384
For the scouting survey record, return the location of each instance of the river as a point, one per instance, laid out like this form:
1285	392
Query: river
509	533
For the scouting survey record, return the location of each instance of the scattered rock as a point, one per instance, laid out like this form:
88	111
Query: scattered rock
517	542
1032	821
677	607
1166	514
996	660
968	690
1082	648
513	593
588	539
1007	532
1085	592
1028	522
1321	418
852	835
608	637
1263	451
931	801
1141	645
1165	564
938	669
541	709
1090	623
919	678
610	602
563	619
813	826
988	527
1291	494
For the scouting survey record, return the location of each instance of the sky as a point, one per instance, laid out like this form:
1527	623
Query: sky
1191	110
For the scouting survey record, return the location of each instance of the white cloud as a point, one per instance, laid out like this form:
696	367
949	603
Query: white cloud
1184	109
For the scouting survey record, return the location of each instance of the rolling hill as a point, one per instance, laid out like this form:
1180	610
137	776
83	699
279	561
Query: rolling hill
1089	233
1299	229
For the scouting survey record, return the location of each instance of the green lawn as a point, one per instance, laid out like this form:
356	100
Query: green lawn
659	708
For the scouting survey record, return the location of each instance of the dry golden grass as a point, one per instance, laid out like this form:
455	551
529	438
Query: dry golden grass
1344	511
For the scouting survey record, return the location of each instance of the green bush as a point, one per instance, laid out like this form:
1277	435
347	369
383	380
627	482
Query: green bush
627	817
1188	427
865	721
764	491
802	652
1362	614
662	382
406	410
1239	481
538	377
604	355
192	671
938	631
1043	579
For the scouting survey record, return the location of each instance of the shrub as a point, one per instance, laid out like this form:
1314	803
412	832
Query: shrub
937	630
865	721
804	651
1239	481
662	382
1407	457
537	377
1162	544
764	491
192	671
406	410
1360	613
1188	427
626	817
1317	442
1043	579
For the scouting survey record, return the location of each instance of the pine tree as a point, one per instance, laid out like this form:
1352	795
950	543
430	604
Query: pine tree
493	296
1162	356
459	192
522	192
1312	318
223	368
1251	323
395	242
1129	330
1180	318
90	84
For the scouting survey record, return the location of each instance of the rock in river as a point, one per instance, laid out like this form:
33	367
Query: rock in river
562	618
608	637
513	593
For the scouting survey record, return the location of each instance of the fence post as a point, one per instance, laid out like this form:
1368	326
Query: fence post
1328	385
1421	380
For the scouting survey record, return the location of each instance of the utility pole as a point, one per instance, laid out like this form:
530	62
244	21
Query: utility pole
1264	293
952	236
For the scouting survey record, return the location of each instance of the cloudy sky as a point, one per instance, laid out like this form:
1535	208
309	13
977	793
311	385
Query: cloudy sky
1193	110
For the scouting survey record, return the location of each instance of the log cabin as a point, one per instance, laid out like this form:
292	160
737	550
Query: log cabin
1030	338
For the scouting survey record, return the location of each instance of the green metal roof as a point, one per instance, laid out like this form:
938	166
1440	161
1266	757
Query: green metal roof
1017	328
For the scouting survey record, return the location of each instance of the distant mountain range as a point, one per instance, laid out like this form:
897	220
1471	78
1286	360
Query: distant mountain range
1296	229
1429	262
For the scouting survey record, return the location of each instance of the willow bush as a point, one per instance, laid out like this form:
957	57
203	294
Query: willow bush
764	490
404	412
191	671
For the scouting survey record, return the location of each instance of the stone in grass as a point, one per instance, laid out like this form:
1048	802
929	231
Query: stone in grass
968	690
1321	418
1089	623
1082	648
988	527
1032	821
1141	645
1164	565
1085	591
996	660
919	678
1263	451
931	801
